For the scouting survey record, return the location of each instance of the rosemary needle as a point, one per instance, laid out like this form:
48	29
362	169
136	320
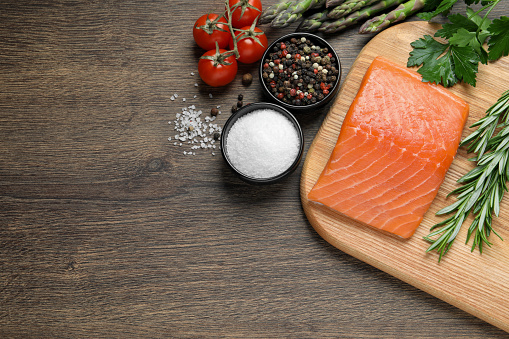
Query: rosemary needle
483	187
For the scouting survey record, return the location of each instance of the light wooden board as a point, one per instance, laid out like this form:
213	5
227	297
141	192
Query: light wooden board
475	283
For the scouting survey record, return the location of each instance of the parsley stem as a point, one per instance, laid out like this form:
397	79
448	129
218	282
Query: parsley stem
490	6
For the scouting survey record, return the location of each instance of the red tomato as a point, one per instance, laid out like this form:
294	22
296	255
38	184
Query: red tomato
252	9
217	75
206	32
249	50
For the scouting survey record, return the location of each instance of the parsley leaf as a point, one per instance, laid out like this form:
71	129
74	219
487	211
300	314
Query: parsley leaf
440	71
457	21
499	40
464	38
426	51
443	7
466	62
458	59
478	20
465	31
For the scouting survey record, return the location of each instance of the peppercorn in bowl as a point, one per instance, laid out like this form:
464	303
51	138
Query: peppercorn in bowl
300	71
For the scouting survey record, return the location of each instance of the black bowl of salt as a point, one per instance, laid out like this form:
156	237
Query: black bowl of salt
262	143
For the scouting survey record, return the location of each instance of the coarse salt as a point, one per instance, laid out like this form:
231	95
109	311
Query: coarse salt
191	129
262	144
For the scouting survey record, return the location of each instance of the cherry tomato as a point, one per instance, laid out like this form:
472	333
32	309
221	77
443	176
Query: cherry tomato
217	75
250	10
206	32
249	50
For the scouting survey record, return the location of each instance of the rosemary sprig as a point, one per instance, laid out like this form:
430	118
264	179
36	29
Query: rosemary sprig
483	187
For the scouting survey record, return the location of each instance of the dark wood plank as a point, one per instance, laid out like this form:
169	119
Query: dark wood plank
108	230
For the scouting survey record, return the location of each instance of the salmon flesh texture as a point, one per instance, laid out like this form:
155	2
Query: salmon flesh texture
397	141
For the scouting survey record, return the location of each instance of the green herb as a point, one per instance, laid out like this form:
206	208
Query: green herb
483	187
400	13
458	59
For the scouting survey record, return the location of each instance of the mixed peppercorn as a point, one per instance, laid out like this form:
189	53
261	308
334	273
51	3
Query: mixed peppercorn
300	73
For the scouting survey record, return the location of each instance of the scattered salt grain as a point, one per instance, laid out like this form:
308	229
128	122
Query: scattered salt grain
210	95
172	98
184	99
192	73
191	129
196	85
262	144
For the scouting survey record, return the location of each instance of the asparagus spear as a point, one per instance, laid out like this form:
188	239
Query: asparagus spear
285	19
294	12
380	22
313	22
333	3
271	12
342	23
319	4
348	7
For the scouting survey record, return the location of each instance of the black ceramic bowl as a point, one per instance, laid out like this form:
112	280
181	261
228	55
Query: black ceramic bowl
318	41
246	110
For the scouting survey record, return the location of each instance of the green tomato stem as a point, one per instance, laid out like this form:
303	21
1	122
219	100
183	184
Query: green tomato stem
230	26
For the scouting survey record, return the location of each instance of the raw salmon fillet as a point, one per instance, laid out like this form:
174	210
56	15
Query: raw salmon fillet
396	144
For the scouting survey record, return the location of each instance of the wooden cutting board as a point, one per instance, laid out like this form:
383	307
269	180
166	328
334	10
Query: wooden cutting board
475	283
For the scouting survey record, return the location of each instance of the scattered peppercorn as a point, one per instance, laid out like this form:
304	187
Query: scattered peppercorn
239	104
240	97
217	135
298	72
234	109
214	112
247	79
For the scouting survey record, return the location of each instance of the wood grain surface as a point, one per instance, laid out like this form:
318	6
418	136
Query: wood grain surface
107	230
456	278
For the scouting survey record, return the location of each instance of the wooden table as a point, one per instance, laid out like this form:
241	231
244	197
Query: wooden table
108	230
